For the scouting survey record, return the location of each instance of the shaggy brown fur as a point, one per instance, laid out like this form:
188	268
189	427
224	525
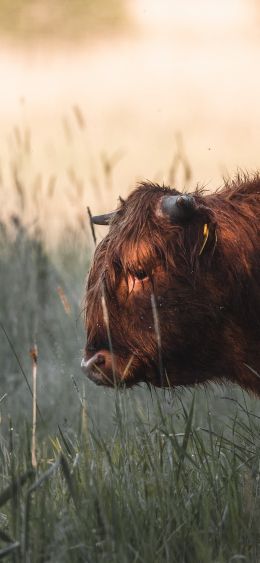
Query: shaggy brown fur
205	278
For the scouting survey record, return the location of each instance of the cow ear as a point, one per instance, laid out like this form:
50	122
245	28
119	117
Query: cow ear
198	233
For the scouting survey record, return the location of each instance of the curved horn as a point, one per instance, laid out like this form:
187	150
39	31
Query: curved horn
178	207
103	219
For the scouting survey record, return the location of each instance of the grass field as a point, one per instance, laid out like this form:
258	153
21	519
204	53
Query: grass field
131	476
120	476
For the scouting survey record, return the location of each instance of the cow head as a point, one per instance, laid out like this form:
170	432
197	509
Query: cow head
151	302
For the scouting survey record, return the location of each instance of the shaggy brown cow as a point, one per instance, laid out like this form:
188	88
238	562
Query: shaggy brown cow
173	294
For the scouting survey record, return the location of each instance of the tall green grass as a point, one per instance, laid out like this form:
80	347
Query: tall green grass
121	476
167	490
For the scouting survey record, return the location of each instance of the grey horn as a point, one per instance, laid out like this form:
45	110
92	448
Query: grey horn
178	207
103	219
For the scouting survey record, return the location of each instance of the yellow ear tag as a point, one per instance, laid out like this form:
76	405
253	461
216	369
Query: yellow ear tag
206	236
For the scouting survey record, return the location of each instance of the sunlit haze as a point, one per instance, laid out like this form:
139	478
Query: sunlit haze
177	73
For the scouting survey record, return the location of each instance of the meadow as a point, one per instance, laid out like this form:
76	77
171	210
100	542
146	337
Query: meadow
89	474
109	475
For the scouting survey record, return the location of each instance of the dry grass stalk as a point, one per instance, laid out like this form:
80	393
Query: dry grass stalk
158	334
179	161
67	129
80	119
83	402
34	356
92	226
106	321
108	165
84	414
64	300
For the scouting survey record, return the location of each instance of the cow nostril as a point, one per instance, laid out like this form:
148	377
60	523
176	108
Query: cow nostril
97	359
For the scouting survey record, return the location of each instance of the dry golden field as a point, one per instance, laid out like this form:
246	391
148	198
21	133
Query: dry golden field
82	121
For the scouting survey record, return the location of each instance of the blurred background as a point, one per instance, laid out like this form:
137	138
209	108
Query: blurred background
95	96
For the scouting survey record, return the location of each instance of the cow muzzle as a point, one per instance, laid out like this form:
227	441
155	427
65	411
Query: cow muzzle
99	368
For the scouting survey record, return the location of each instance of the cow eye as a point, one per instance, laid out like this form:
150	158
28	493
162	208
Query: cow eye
140	274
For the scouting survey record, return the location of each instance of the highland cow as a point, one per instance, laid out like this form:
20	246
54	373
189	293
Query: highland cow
173	294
